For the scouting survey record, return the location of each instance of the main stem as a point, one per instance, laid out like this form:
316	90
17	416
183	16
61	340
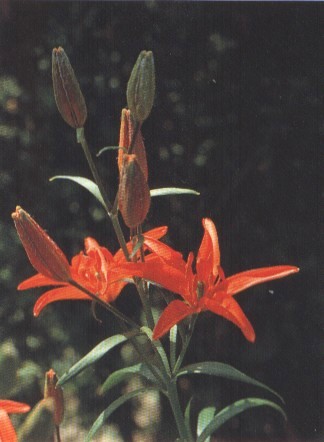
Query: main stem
173	397
82	140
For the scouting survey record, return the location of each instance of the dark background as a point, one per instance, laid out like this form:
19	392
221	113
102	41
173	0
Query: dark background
236	116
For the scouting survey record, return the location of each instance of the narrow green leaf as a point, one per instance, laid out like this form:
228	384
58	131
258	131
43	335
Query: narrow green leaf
205	416
172	191
84	182
106	148
96	353
123	374
138	245
112	407
234	409
187	415
223	371
159	348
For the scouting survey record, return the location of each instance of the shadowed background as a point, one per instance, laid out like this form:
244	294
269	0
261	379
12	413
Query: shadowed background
237	118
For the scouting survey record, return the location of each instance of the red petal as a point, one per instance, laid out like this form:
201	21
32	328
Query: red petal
7	431
172	314
158	272
156	233
58	294
38	280
113	290
163	251
13	406
241	281
230	310
208	257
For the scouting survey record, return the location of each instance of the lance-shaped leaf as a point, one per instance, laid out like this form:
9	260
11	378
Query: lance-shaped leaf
233	410
223	371
159	348
167	191
187	415
205	416
96	353
83	182
112	407
94	190
123	374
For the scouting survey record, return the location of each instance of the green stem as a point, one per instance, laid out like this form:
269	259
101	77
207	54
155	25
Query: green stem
81	139
185	344
107	306
120	236
109	208
173	397
58	435
124	319
162	378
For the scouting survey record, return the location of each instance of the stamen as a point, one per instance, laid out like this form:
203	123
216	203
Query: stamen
200	289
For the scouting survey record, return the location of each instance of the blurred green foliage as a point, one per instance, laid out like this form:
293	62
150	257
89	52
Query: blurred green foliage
236	116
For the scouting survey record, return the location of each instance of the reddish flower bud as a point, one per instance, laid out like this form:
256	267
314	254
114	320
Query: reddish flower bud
133	194
67	92
125	139
141	86
44	255
55	392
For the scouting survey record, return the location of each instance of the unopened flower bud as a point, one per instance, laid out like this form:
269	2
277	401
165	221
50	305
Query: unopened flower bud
51	390
141	86
133	194
44	255
67	92
125	139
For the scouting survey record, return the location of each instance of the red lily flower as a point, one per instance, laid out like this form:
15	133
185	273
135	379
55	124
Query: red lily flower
97	270
207	288
7	431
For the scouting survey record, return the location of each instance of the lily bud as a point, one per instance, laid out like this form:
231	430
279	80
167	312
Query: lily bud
133	194
125	139
67	92
141	86
44	255
55	392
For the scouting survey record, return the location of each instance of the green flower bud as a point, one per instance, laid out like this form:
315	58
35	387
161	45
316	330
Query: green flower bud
141	86
67	92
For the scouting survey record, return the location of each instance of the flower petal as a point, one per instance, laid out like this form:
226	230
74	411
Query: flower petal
156	271
7	431
241	281
230	310
38	280
155	233
113	290
13	406
164	251
172	314
58	294
208	257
